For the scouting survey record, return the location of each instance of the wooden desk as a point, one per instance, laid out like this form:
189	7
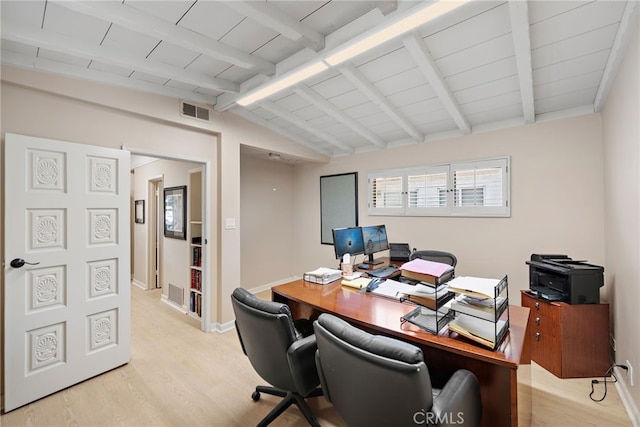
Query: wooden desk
497	371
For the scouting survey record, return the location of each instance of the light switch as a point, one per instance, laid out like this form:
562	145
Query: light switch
230	223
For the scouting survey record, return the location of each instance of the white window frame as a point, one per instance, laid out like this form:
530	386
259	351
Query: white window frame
419	201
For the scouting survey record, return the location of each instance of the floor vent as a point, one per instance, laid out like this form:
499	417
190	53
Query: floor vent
175	294
195	111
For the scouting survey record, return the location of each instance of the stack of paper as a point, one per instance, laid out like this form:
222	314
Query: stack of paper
478	330
427	271
420	294
358	283
475	286
322	275
484	308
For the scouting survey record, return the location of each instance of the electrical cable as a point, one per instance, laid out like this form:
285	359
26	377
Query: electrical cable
605	382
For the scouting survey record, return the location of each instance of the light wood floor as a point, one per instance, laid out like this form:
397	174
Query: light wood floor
180	376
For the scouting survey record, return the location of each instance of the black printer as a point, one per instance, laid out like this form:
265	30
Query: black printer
560	278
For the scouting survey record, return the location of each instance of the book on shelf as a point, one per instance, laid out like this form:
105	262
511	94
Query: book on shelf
475	286
478	330
430	272
322	275
196	280
484	308
197	256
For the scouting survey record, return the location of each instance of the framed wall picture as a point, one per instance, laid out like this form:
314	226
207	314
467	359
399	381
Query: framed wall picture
338	204
139	211
175	212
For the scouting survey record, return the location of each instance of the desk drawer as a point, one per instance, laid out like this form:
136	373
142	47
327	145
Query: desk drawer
541	308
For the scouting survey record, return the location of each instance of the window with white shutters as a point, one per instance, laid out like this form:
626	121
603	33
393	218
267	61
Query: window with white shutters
477	188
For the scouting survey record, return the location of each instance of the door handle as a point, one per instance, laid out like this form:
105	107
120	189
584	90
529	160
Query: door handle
19	262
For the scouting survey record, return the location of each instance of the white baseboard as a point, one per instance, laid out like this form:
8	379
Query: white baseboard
268	286
222	327
181	309
627	400
227	326
139	284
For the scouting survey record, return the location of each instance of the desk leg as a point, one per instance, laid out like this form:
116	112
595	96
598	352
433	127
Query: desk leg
525	395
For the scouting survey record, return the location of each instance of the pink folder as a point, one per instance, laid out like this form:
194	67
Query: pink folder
432	268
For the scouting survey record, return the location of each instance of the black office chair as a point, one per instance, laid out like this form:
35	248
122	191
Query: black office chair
281	353
437	256
373	380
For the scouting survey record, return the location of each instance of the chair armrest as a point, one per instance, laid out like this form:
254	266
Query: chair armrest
301	357
459	401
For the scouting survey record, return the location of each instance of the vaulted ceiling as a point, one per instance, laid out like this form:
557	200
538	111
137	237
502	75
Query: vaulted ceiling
484	65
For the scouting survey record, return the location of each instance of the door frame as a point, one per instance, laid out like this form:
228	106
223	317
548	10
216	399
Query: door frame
155	185
207	291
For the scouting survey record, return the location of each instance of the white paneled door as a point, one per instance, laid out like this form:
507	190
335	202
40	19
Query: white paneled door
66	268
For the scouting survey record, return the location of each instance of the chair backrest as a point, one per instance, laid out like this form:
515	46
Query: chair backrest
371	379
266	332
437	256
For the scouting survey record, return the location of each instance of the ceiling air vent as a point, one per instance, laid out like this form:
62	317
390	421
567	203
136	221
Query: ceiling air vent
195	111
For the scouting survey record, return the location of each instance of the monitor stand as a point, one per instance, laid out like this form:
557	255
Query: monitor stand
372	261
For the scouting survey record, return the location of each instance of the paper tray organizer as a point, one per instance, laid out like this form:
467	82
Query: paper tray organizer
427	319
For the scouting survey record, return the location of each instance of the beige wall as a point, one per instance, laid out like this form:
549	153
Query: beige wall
621	134
267	217
556	200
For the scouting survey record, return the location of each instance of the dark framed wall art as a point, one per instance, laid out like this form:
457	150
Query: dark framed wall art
338	203
139	211
175	212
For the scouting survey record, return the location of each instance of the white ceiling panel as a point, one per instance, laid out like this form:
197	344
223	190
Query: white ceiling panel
496	115
581	20
28	13
496	70
171	54
211	19
350	99
128	41
476	56
389	65
404	81
171	11
478	29
363	110
573	84
574	47
452	75
61	20
572	67
565	101
412	96
496	87
494	102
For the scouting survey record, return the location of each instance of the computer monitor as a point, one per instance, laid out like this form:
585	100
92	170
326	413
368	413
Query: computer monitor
375	240
347	240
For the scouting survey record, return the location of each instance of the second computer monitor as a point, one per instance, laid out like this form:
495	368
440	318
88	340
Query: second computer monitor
375	240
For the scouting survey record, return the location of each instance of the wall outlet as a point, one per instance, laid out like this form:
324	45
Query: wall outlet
629	372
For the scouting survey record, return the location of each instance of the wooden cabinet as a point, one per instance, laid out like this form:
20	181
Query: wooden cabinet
569	340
